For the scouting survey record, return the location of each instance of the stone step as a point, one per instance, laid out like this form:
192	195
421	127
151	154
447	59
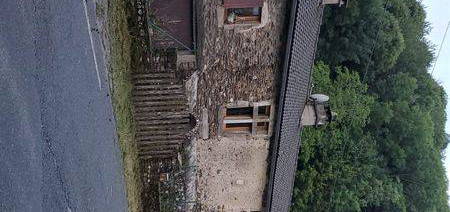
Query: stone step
165	116
157	87
159	147
160	132
153	75
160	108
154	138
164	127
161	114
158	152
144	143
164	121
160	103
157	109
157	98
157	92
159	156
163	67
146	81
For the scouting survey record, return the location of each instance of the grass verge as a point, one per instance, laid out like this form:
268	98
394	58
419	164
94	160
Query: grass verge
120	72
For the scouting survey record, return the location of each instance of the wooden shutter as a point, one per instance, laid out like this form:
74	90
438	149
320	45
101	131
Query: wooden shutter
242	3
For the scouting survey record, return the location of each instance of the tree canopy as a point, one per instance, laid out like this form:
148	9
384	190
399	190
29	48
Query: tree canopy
385	150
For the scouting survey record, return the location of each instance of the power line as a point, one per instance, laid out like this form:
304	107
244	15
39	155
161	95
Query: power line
440	48
376	41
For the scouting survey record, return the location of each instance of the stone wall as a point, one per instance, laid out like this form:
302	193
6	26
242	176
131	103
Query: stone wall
238	64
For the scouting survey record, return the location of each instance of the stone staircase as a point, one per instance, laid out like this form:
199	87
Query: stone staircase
160	111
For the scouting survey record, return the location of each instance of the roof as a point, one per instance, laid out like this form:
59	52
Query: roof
304	28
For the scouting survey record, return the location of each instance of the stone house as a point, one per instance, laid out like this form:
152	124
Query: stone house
246	70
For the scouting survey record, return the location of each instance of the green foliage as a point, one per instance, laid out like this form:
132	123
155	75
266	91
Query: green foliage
350	34
385	150
338	165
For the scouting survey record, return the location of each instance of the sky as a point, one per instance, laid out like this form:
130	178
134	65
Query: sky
438	15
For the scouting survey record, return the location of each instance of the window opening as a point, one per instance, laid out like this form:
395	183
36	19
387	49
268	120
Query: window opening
239	127
250	15
255	120
239	112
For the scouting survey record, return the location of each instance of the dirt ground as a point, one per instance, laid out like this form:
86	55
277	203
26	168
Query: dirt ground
235	65
232	173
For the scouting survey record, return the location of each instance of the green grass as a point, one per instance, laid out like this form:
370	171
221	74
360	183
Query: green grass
120	72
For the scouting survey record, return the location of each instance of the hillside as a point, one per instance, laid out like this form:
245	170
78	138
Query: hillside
384	152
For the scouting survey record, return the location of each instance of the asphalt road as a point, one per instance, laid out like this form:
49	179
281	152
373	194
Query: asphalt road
58	145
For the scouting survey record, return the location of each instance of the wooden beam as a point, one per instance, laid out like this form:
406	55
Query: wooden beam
242	3
255	124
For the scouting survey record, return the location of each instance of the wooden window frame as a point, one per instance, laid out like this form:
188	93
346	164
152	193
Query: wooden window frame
257	123
242	4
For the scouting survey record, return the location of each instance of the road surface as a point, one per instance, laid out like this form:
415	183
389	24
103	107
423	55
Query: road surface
58	145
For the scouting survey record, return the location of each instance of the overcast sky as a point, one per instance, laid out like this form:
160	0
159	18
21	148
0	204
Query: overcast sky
438	15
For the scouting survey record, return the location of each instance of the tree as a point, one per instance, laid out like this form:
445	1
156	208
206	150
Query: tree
384	152
363	35
338	165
